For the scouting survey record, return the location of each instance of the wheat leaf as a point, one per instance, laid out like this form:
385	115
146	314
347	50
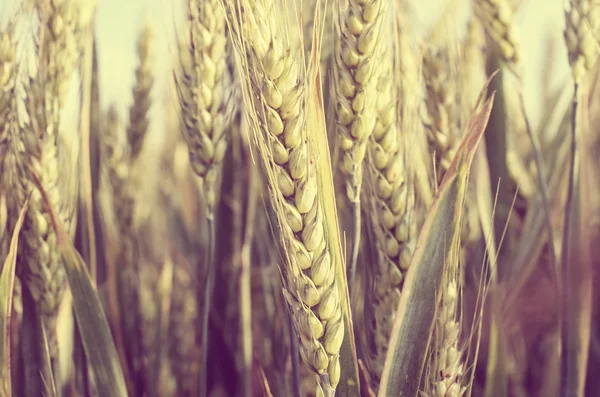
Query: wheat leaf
7	283
91	320
576	262
415	317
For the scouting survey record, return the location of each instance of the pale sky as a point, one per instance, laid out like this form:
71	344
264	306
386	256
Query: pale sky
541	23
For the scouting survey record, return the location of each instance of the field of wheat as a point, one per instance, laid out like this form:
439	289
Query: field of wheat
312	198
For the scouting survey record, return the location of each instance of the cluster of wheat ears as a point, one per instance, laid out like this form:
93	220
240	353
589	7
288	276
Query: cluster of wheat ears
340	206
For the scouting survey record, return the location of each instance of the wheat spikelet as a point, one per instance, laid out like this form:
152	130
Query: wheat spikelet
582	26
497	19
205	92
277	106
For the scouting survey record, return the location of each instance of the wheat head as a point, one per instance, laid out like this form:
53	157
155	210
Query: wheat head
441	101
497	19
448	365
393	191
581	32
138	112
277	99
39	261
206	92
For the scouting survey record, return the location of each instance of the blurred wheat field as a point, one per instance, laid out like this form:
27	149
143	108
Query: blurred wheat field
299	198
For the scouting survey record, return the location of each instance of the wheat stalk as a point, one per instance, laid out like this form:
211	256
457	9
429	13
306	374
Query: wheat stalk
582	27
277	102
497	19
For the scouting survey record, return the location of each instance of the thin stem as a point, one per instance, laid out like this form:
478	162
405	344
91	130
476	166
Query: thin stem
208	294
566	355
355	246
541	174
295	357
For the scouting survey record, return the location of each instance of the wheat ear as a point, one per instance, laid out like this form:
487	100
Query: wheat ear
393	197
582	28
206	100
497	19
39	260
8	122
440	82
444	111
276	102
358	26
448	366
205	93
138	112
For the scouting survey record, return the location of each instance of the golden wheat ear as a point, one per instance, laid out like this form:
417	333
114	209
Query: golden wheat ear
279	109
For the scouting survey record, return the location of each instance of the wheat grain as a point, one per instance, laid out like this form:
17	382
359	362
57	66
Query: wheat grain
205	92
497	19
277	105
582	26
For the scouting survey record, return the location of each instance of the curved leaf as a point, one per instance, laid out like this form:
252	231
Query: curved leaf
92	324
415	317
7	283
